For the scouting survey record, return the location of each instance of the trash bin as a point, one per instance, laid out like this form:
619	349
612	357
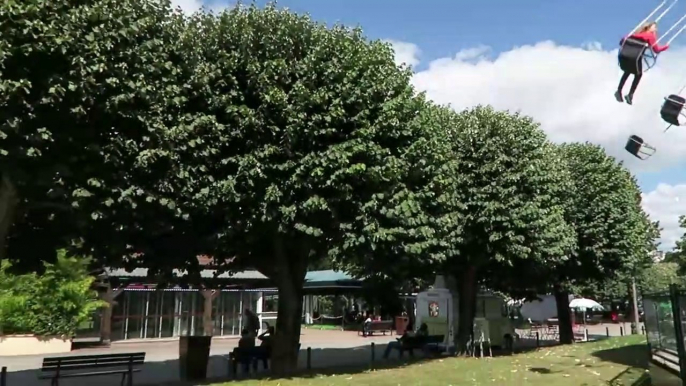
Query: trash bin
401	323
194	355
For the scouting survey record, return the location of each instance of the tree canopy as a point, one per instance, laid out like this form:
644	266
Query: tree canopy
613	233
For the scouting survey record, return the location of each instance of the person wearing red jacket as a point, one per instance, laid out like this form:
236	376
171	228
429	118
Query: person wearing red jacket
648	34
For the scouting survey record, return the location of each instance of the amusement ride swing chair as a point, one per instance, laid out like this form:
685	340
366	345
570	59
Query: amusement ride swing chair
636	57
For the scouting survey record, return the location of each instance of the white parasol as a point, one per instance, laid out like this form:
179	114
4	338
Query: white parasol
583	304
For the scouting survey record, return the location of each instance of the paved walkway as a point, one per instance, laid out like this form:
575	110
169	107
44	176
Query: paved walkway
329	349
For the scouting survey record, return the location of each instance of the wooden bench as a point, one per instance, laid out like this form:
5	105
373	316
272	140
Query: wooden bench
56	368
250	356
378	325
413	343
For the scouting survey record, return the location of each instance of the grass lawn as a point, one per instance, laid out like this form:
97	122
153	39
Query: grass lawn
348	327
615	361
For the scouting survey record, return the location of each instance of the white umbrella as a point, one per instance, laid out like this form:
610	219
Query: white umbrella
582	304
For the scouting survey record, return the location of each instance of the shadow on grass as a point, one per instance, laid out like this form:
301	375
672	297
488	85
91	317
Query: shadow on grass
542	370
635	355
325	361
631	377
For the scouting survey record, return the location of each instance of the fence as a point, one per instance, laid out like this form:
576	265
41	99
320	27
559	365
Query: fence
664	317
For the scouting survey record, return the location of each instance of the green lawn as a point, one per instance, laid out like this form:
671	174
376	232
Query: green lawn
616	361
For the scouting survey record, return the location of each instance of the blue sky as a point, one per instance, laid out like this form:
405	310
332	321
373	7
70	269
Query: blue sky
564	86
442	28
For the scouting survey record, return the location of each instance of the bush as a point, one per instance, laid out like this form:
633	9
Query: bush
54	303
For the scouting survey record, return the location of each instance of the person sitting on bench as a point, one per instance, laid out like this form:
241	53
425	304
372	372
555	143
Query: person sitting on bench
366	327
266	338
245	346
422	332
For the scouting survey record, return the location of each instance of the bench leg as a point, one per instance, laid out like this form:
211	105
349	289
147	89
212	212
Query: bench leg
123	378
55	382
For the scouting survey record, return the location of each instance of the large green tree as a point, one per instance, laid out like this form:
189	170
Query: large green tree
291	138
508	201
654	278
87	95
678	253
613	232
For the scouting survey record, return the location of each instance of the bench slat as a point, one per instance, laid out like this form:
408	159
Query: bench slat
92	357
65	367
95	360
93	373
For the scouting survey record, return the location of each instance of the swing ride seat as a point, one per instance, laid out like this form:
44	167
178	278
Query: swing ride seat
672	109
632	55
636	146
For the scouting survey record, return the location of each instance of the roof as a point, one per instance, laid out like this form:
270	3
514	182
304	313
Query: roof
330	280
315	281
205	273
327	275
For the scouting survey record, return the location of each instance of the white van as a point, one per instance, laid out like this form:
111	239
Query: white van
436	307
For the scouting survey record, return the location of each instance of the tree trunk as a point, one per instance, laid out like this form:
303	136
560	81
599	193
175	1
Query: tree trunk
289	275
8	204
466	309
564	316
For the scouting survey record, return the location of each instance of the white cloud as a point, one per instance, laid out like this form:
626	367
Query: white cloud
665	204
569	90
188	6
405	53
191	6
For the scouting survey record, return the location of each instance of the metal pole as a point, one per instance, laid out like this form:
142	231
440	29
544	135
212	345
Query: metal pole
676	311
670	30
126	322
161	314
665	11
634	325
144	333
373	356
3	376
193	300
648	17
309	358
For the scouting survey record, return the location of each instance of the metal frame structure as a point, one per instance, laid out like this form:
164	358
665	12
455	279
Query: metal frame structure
676	297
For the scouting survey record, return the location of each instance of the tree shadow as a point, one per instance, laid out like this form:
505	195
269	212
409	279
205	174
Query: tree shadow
542	370
629	377
324	361
636	355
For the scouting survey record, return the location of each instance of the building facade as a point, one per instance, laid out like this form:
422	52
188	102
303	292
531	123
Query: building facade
139	309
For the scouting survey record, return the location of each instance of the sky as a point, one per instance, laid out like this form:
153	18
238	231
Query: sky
553	60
